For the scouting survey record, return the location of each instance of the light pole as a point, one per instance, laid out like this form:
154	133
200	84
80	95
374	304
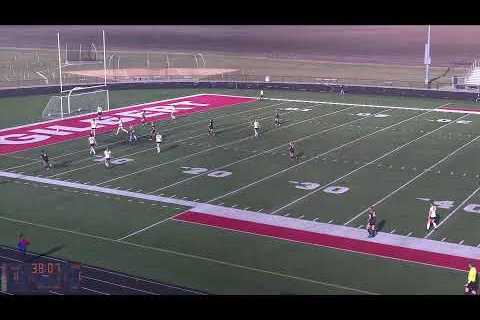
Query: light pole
427	59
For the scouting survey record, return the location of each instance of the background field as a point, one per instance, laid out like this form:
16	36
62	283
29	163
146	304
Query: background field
334	140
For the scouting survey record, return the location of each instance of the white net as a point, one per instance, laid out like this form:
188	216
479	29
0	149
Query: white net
74	102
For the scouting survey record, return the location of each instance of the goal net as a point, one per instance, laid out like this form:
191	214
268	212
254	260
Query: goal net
76	101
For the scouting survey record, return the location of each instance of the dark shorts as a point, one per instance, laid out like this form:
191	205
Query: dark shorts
473	286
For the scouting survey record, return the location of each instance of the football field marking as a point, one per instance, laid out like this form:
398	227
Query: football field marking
456	209
129	148
315	157
222	145
414	179
166	129
148	227
365	165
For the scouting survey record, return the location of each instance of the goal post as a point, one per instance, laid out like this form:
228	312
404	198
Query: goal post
77	101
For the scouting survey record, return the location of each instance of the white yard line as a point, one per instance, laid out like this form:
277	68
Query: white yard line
456	209
150	226
219	146
119	285
413	179
96	291
315	157
365	165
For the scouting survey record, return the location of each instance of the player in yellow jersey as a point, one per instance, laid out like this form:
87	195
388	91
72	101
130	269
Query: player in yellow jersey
472	281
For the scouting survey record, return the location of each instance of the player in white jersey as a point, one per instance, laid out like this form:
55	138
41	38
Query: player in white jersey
99	112
158	140
93	143
93	127
107	158
120	127
172	115
256	127
261	94
432	216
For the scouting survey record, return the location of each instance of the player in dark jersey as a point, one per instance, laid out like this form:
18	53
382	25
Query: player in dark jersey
153	131
211	129
371	222
144	118
132	137
277	118
45	161
342	90
292	151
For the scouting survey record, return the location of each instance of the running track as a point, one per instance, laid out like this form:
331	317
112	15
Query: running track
98	281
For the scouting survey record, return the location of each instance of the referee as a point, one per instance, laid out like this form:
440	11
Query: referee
471	285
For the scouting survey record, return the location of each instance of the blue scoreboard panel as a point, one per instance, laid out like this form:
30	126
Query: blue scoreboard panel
38	277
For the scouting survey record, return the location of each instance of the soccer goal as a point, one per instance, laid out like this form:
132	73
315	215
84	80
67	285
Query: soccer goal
82	98
78	100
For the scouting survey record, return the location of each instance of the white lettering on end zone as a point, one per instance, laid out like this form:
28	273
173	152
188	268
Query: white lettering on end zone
22	138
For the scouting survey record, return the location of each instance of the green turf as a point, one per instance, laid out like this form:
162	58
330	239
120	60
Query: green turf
372	156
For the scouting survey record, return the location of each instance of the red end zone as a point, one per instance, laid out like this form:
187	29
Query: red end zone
330	241
56	131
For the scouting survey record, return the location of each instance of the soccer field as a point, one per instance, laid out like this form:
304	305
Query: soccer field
355	151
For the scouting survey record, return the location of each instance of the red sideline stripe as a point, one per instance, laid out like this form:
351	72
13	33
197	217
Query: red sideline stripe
23	138
461	109
336	242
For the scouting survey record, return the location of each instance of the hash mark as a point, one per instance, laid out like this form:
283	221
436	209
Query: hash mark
286	214
444	239
235	205
301	217
196	199
316	219
461	242
221	203
360	226
246	208
173	196
329	221
393	231
409	234
260	210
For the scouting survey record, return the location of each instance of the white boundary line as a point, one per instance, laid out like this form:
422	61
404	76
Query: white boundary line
119	285
96	291
150	226
315	157
414	178
365	165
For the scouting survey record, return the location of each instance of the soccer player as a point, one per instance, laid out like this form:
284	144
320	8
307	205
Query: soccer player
342	90
153	131
144	118
131	135
107	158
292	151
371	221
93	127
277	118
211	129
172	115
477	98
472	281
99	112
158	140
432	216
120	127
256	127
45	162
93	143
261	94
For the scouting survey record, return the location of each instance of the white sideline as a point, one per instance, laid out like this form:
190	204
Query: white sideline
363	166
315	157
415	178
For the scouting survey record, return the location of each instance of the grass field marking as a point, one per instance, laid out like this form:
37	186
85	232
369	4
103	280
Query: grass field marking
153	148
230	143
456	209
315	157
119	285
413	179
436	109
264	152
95	291
149	227
366	164
56	293
187	255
